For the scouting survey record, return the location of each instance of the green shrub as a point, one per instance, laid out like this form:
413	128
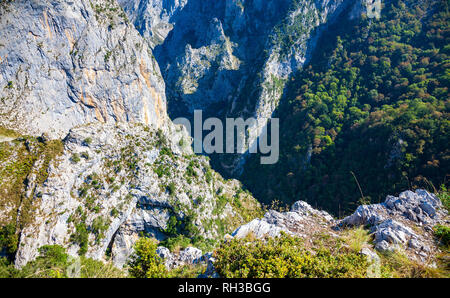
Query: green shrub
209	175
285	256
114	212
87	141
398	265
75	158
187	271
445	197
97	269
172	226
176	243
9	238
81	237
7	269
53	261
145	263
99	227
171	188
443	234
356	238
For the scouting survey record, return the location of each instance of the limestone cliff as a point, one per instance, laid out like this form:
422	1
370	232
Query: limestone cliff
65	63
106	185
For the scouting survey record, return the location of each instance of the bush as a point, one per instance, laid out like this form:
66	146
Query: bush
176	243
284	256
145	263
53	261
445	197
87	141
443	234
7	269
398	265
81	237
9	238
171	188
75	158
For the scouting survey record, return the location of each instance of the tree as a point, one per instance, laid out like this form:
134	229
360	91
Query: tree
145	263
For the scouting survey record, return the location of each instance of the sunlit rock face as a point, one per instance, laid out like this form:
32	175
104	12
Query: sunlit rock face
65	63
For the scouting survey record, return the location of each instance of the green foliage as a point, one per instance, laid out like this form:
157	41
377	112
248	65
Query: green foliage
114	212
372	101
187	271
443	234
444	196
145	263
53	262
356	238
19	159
97	269
8	132
172	226
75	158
87	141
284	256
85	155
397	265
7	268
171	188
99	227
208	175
9	238
81	237
176	243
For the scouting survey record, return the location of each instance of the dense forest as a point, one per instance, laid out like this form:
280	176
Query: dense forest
368	115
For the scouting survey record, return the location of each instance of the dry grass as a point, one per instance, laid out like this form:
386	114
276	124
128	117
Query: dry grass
356	238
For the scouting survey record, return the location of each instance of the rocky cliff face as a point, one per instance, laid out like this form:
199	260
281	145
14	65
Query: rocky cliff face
111	184
231	58
65	63
82	73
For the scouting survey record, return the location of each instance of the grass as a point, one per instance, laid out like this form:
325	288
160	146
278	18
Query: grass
356	239
8	132
398	265
187	271
444	195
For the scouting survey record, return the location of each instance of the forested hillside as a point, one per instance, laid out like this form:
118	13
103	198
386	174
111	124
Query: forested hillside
368	115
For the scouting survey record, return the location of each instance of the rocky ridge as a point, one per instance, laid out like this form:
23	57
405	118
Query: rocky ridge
404	223
75	62
114	183
400	223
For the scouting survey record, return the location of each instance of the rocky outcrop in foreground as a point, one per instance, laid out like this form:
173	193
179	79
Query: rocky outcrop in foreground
405	221
400	223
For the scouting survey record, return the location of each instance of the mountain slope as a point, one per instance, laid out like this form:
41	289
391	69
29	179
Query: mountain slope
368	116
89	159
231	58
